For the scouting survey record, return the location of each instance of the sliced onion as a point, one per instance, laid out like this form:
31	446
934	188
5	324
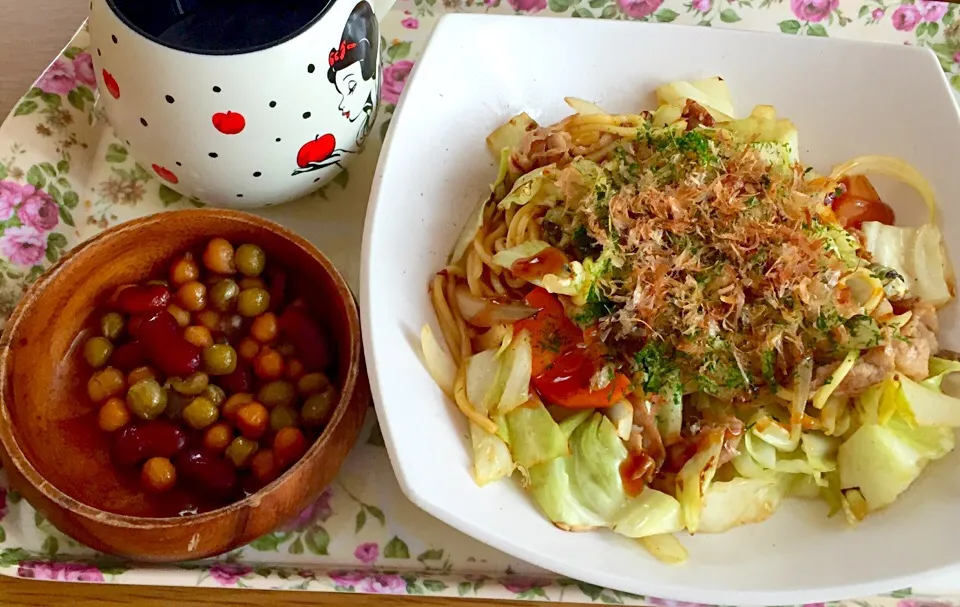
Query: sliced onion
666	548
583	107
891	167
481	312
798	403
518	363
439	363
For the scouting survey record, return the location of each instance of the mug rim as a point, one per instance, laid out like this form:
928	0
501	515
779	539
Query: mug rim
111	4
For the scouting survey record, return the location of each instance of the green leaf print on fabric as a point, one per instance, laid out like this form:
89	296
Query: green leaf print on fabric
396	549
790	26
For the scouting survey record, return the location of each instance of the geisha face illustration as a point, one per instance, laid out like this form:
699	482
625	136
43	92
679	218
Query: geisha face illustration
353	71
356	94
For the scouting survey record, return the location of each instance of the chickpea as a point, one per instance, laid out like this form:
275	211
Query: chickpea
199	336
264	466
158	475
286	349
184	270
289	445
248	349
209	319
105	383
140	373
182	316
218	437
295	369
113	415
192	296
252	420
264	328
234	404
219	256
268	364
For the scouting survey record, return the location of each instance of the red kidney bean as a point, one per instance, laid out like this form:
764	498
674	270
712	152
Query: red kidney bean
278	287
206	471
307	337
241	380
128	357
165	346
133	326
140	442
143	299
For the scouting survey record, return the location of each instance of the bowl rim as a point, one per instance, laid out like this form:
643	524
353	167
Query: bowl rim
26	468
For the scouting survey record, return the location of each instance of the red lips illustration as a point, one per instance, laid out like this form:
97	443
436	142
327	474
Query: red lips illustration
165	173
317	150
111	83
229	123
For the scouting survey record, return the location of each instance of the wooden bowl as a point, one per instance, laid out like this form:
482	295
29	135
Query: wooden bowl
52	449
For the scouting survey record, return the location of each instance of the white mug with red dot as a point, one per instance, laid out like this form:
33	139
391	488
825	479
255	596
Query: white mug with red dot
239	103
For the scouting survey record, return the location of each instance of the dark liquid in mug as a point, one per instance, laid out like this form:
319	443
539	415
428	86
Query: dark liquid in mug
219	26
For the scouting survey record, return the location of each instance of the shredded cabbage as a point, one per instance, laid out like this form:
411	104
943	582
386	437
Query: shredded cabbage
916	254
742	501
509	134
535	186
584	490
777	140
712	93
534	437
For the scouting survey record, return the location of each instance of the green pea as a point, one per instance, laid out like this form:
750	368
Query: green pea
194	384
282	417
250	259
241	450
277	393
224	294
215	394
200	413
176	403
147	399
97	351
253	302
317	409
220	359
111	325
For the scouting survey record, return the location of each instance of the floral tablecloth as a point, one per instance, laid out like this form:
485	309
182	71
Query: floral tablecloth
64	177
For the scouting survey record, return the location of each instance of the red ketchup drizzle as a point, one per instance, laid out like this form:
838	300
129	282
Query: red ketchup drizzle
548	261
859	203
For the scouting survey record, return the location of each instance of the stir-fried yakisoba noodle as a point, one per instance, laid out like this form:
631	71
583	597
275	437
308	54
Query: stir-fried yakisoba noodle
664	321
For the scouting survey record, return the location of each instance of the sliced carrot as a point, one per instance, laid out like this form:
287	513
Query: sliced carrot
551	332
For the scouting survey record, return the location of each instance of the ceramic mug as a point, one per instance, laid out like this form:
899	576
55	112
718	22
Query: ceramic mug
244	103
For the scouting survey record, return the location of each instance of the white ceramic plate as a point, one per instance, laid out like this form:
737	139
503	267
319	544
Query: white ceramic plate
435	167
